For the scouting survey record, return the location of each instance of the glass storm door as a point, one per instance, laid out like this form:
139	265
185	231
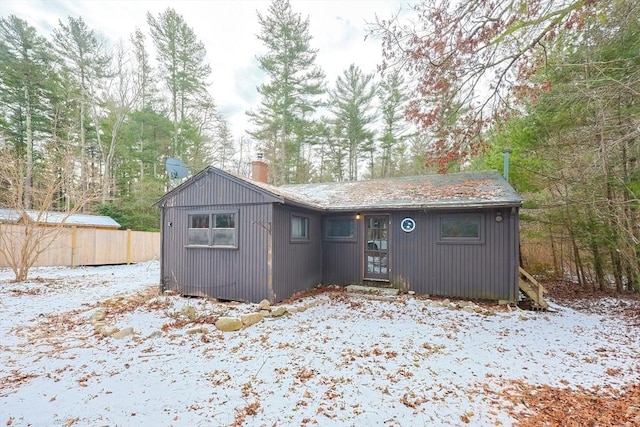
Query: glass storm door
376	247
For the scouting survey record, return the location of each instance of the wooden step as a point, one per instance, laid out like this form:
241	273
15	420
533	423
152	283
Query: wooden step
534	290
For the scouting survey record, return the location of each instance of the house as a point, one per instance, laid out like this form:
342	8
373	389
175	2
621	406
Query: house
234	238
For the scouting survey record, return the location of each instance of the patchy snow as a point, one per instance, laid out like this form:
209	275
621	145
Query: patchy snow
337	359
479	188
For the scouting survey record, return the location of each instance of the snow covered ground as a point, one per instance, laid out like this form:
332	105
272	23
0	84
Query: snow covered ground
336	359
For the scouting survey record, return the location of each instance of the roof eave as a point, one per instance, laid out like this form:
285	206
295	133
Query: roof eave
434	206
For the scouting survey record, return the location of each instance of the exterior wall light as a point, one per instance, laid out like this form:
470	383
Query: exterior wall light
358	215
499	216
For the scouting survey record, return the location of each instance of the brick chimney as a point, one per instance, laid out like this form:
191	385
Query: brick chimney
259	170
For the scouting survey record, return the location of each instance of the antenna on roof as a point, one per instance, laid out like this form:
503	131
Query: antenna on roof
176	169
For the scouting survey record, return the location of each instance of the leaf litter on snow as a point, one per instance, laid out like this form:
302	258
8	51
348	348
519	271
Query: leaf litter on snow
337	359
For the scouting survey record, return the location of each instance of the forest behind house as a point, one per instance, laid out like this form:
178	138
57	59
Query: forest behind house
86	123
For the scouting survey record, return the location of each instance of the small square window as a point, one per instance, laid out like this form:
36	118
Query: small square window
299	227
198	229
224	230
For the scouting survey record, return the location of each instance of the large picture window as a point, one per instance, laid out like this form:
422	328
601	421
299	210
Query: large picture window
340	229
299	227
461	228
213	229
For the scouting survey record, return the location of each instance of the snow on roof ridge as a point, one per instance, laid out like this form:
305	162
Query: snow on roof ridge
55	217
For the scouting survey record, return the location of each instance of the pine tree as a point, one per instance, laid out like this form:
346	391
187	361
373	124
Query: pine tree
182	59
352	108
25	69
393	102
284	120
84	58
144	73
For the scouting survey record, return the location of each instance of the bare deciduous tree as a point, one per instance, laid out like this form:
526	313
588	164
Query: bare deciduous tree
39	227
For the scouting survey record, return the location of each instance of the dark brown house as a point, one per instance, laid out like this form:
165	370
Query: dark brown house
233	238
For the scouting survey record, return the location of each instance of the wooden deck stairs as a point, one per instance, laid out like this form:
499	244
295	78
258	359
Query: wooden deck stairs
533	290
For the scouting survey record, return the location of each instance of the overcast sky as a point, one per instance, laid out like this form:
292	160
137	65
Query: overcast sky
228	30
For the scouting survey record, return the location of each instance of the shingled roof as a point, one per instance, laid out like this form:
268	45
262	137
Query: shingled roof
455	190
466	189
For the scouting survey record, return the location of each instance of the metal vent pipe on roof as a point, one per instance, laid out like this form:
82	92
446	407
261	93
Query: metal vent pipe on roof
505	164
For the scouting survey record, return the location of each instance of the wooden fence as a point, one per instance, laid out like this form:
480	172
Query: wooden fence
75	246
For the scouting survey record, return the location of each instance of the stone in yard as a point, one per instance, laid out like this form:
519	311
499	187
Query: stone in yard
265	313
189	311
264	305
478	309
107	331
98	324
98	316
278	311
228	324
198	330
250	319
468	309
123	333
155	334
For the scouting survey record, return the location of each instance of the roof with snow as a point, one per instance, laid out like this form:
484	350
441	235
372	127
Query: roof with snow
466	189
51	218
455	190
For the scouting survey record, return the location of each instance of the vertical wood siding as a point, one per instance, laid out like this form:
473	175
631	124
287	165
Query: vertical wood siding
478	271
296	266
342	260
216	188
233	274
268	265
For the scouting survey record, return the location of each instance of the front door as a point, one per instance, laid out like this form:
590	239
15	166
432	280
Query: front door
376	248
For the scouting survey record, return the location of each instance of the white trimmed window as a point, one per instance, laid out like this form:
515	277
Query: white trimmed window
216	230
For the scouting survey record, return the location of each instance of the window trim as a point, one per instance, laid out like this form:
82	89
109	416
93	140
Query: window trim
479	217
325	229
299	239
211	227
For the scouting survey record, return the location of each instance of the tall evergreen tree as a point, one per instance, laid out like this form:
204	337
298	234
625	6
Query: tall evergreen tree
85	58
182	59
393	102
144	73
352	108
284	120
25	70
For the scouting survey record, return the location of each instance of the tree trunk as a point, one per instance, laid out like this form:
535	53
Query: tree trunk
597	266
28	182
554	254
